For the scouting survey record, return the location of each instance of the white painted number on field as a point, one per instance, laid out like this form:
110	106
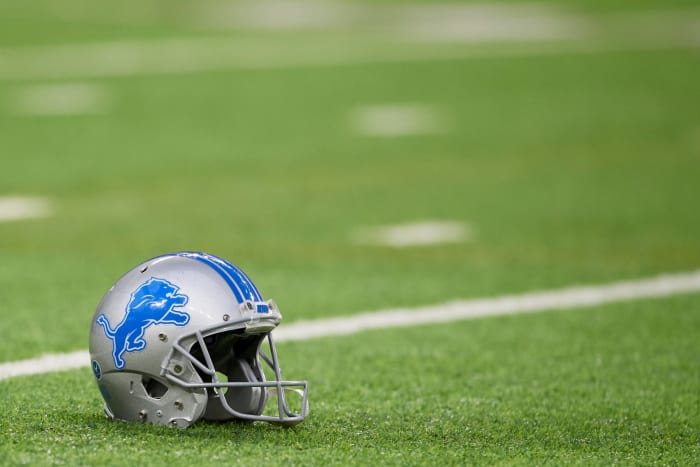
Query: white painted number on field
414	234
60	99
15	208
397	120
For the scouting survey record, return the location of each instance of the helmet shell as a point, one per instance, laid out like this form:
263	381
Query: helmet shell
159	302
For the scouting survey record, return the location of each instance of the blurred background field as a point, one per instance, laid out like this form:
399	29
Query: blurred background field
560	139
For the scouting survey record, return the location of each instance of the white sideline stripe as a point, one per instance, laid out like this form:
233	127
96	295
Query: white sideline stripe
15	208
558	299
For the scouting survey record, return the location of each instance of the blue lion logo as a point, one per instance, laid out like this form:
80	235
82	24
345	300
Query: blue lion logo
154	302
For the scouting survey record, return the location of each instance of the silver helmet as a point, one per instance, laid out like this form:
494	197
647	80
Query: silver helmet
180	337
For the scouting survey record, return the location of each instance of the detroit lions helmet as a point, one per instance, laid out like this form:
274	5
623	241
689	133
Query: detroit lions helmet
180	338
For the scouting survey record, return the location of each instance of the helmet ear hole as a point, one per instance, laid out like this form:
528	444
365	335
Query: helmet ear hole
154	388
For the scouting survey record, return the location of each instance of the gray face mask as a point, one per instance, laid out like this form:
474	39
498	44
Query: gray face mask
229	366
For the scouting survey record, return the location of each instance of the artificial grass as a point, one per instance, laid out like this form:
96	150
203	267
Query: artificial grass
569	168
613	384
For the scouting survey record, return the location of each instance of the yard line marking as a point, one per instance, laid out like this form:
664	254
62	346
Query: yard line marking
45	364
376	34
532	302
476	22
397	120
558	299
15	208
483	22
414	234
198	55
60	99
279	14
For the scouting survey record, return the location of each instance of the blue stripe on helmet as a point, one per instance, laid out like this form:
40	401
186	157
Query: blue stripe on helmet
240	284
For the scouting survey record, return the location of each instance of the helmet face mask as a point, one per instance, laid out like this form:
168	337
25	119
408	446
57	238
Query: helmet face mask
189	345
229	367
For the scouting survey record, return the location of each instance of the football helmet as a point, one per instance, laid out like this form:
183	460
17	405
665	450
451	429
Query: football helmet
180	337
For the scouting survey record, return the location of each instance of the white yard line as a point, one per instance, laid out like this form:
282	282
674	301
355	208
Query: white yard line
373	33
45	364
15	208
471	22
558	299
279	14
196	55
487	22
199	55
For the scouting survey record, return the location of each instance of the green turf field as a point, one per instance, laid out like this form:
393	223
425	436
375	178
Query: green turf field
573	159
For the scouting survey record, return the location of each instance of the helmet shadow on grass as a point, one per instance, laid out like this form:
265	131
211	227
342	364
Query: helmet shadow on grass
243	430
